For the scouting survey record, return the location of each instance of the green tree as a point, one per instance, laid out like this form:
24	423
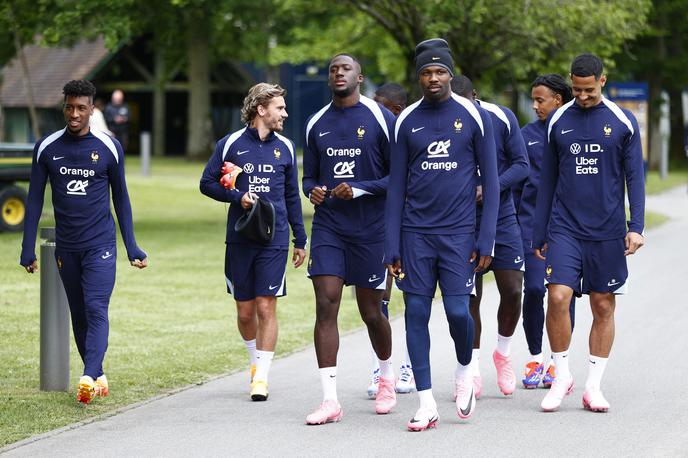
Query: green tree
660	57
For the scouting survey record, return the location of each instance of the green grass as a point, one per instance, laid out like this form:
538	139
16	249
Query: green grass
676	177
171	324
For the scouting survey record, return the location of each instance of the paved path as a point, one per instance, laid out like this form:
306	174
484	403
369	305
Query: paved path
645	383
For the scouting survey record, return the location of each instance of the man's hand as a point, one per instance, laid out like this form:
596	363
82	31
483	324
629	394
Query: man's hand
479	194
540	252
318	194
33	267
483	262
343	191
247	200
395	269
141	264
633	243
298	257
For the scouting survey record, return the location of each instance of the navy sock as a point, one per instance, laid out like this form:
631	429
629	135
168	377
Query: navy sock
417	316
461	326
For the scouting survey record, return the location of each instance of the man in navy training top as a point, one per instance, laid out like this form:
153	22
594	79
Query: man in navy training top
345	174
508	261
82	166
593	150
549	92
439	142
255	273
393	97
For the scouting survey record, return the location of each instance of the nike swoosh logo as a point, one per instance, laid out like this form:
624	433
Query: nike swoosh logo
564	132
431	420
273	287
517	260
242	152
436	58
322	134
333	376
416	129
105	256
57	158
373	278
613	283
532	143
467	410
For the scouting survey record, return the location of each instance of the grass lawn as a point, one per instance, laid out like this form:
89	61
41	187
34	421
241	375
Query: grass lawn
171	324
676	177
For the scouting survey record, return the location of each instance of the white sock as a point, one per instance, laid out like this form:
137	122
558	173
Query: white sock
375	365
504	345
386	370
328	378
263	361
596	366
474	364
251	349
561	364
427	401
463	372
537	358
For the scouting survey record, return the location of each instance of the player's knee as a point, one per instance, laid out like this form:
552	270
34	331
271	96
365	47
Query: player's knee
558	299
603	310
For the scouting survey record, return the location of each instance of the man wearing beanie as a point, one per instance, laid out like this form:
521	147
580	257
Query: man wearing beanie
439	142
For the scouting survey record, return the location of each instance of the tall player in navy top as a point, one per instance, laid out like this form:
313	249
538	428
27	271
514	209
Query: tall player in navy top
593	153
255	273
345	174
508	261
83	165
439	142
549	92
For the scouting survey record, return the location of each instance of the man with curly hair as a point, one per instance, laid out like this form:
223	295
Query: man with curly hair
83	165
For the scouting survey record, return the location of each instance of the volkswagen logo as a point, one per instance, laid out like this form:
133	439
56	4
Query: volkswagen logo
575	148
248	167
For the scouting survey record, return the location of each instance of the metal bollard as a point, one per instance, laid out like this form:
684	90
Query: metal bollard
54	319
145	153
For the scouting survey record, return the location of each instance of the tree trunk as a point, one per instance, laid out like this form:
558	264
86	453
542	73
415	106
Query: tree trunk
159	105
199	123
27	78
677	136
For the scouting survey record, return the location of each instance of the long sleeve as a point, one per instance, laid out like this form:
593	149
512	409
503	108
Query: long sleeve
34	207
210	180
545	195
635	180
487	161
515	148
379	187
396	197
293	202
311	167
120	199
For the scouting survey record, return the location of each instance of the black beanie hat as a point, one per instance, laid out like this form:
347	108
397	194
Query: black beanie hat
434	51
258	222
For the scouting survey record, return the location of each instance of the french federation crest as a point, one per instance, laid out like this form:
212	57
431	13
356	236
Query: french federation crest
360	131
278	153
458	125
607	130
94	157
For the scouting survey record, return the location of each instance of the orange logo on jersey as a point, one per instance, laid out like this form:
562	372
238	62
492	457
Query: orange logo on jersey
457	126
607	130
94	156
277	153
360	132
